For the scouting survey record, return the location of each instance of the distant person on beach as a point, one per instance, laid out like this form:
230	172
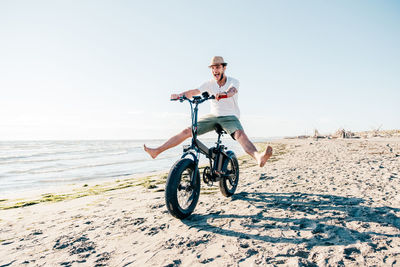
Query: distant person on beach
224	111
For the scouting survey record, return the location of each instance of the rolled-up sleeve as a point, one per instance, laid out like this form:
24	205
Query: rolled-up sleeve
236	84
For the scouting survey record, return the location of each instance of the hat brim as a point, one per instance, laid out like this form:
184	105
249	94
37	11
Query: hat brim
223	64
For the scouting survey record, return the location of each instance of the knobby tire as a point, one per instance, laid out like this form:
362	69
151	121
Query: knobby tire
173	188
226	186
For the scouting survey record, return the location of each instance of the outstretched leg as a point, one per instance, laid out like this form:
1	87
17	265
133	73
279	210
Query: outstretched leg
173	141
249	148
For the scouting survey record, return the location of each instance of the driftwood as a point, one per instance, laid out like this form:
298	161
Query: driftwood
342	133
317	135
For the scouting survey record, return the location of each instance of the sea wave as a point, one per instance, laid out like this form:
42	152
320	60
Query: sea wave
48	169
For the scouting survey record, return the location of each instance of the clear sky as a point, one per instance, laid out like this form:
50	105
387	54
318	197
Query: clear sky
105	69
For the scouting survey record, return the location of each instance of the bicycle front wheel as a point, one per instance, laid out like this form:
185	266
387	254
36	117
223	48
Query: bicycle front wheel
182	189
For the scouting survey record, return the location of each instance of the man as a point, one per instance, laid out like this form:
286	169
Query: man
224	111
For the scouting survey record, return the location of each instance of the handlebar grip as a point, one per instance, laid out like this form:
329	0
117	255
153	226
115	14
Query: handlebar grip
223	96
182	98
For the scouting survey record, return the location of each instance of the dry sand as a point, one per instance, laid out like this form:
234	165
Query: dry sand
316	203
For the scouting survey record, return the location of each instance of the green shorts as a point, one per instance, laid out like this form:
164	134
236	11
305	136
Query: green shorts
230	124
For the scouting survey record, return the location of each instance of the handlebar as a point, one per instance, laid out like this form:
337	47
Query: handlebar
195	99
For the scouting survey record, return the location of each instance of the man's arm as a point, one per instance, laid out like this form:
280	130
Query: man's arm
231	92
188	94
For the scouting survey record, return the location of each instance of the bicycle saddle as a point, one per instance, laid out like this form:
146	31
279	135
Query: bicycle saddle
218	129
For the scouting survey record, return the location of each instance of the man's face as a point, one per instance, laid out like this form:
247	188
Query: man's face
218	71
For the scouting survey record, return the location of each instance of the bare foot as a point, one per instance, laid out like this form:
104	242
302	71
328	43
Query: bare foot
151	151
263	157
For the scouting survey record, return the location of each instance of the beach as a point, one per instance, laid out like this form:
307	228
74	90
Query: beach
317	202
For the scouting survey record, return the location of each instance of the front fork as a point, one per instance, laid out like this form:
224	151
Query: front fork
196	158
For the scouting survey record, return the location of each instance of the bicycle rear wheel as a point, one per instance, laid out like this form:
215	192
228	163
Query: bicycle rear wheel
182	188
229	182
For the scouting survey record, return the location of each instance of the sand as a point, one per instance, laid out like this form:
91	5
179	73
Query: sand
315	203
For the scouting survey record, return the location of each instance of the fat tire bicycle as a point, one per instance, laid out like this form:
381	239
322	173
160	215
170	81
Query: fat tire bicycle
182	189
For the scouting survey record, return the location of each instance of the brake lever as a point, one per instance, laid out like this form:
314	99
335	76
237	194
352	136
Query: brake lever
183	98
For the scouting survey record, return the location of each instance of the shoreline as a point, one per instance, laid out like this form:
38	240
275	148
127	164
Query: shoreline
71	165
67	188
76	190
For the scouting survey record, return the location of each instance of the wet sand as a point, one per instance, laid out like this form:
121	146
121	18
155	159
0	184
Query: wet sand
315	203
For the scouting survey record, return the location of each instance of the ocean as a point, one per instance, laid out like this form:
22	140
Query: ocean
33	165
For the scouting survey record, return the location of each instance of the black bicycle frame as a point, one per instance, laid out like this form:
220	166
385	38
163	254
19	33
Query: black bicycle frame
216	153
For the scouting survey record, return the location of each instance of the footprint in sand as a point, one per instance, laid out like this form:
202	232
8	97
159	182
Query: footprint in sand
156	229
32	235
351	253
102	258
156	206
244	245
78	246
175	263
205	261
138	221
250	252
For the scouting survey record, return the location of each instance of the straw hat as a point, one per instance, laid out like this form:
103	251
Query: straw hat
217	61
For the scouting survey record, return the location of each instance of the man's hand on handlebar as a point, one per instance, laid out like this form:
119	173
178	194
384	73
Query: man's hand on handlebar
176	96
220	96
